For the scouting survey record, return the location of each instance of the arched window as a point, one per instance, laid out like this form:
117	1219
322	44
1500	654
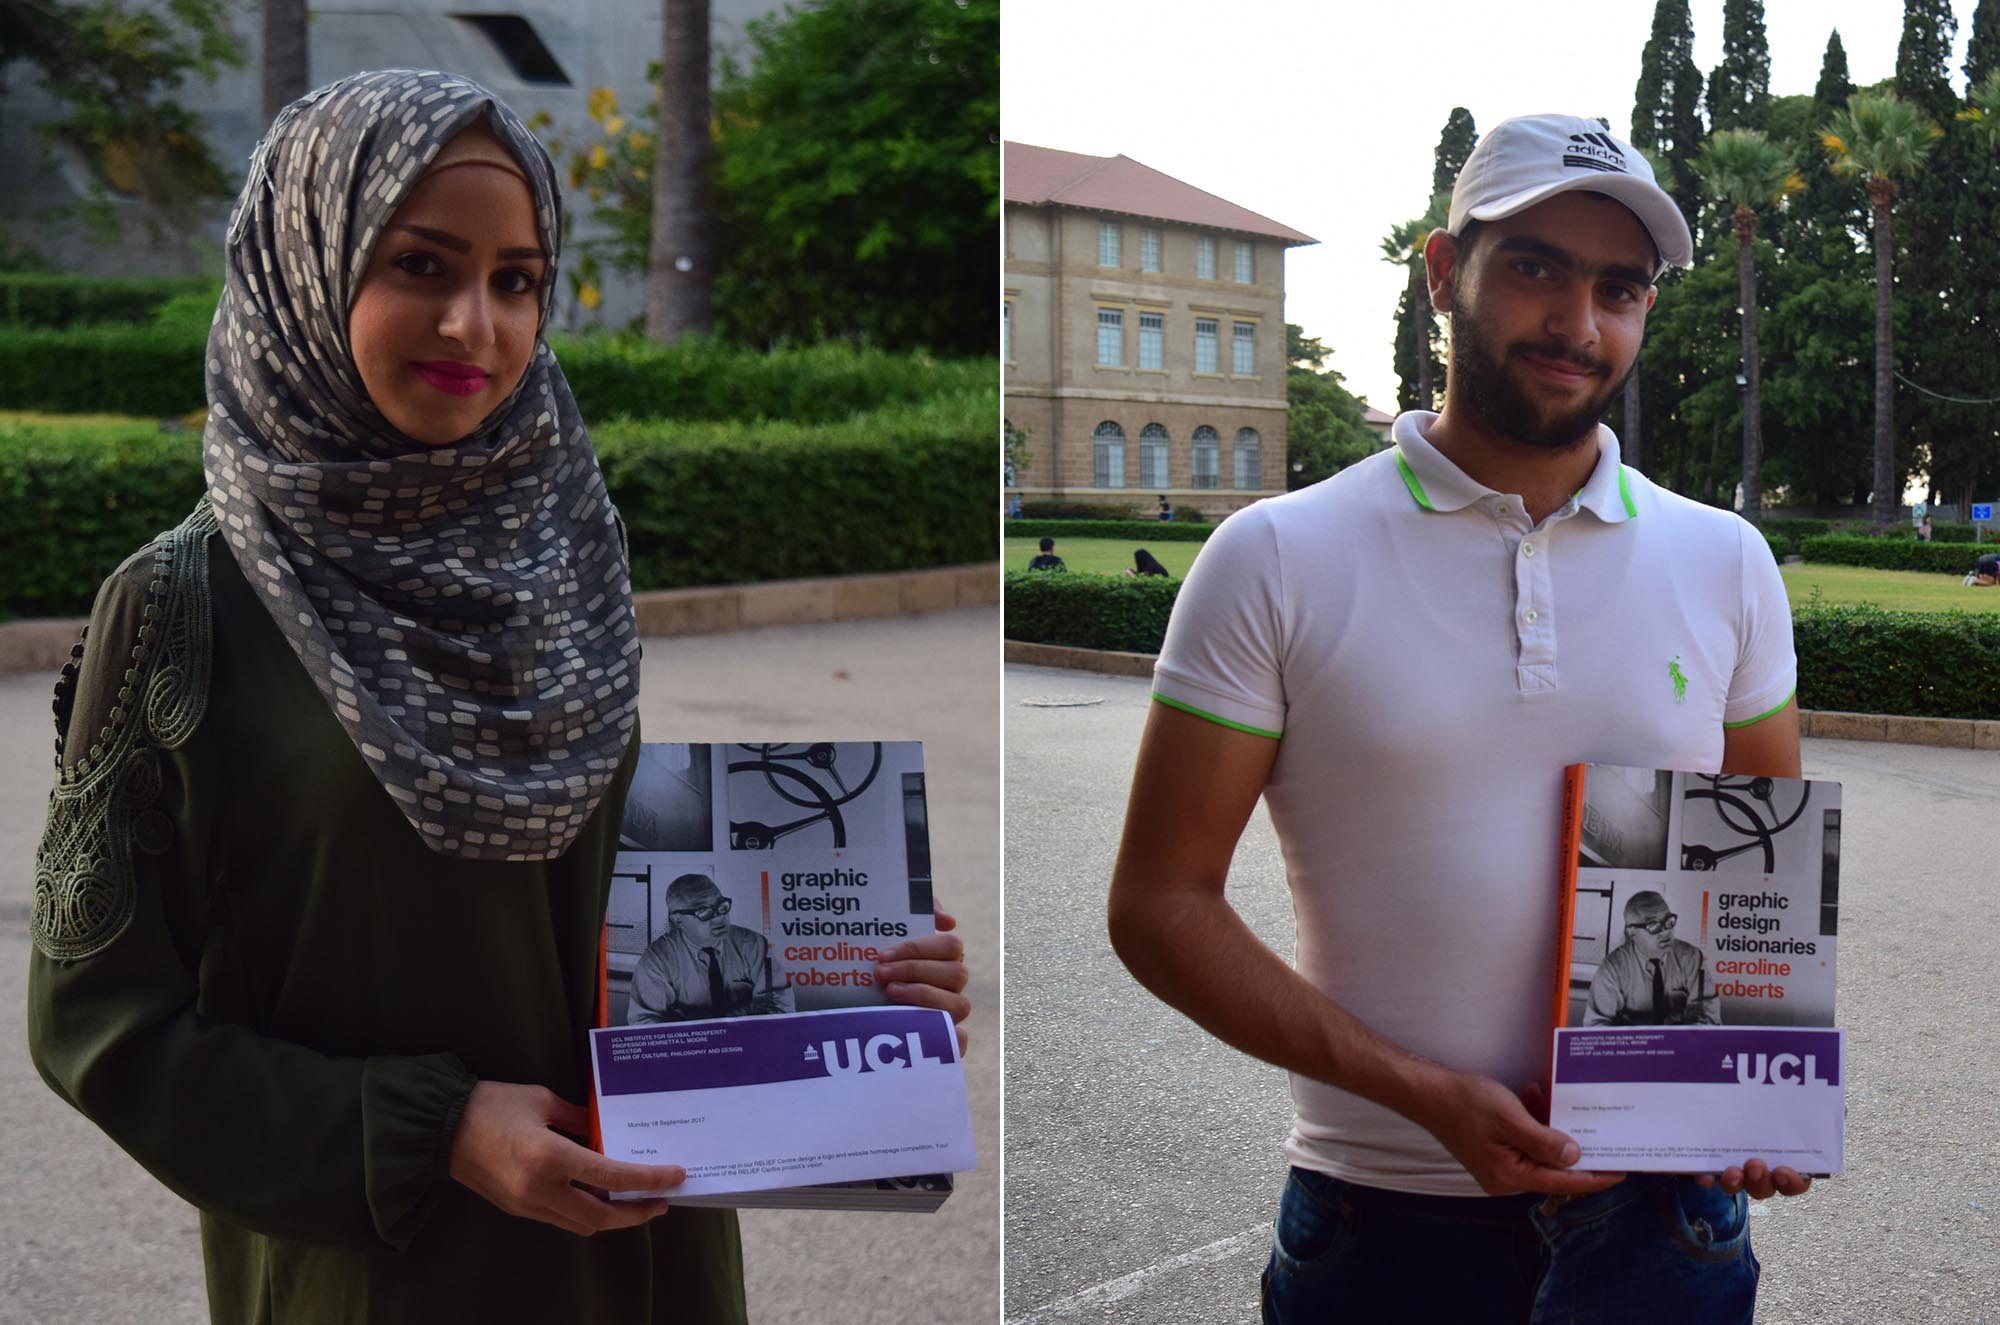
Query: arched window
1107	456
1249	458
1153	443
1207	457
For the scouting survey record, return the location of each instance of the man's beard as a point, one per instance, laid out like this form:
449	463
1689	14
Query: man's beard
1480	371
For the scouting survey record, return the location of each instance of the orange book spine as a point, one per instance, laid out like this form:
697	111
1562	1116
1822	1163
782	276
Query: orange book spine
600	1015
1572	842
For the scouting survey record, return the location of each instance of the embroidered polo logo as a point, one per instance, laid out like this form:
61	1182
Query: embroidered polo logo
1679	678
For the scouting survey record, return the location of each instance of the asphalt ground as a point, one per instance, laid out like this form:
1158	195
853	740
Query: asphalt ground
87	1235
1143	1157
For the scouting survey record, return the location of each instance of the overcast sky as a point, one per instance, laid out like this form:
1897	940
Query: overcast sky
1325	116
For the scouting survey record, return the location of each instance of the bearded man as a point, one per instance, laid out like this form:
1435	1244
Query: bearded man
1401	660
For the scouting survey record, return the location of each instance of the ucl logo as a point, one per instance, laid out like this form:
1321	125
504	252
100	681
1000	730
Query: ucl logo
881	1053
1776	1070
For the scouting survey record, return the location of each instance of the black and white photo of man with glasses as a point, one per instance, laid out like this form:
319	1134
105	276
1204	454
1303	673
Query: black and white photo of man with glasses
1652	978
703	966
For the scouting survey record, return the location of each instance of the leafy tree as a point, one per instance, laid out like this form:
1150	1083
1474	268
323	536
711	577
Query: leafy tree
114	72
1741	84
1666	107
1879	139
1325	428
680	265
1746	170
1923	57
857	176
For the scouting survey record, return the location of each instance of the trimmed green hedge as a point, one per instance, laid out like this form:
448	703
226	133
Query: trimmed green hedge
155	371
41	299
897	489
1889	553
1160	531
1917	664
1851	659
1089	611
1780	548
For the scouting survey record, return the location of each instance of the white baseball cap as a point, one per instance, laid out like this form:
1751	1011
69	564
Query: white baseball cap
1521	161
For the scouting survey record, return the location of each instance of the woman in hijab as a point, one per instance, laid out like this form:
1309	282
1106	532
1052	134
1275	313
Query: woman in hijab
1145	563
340	763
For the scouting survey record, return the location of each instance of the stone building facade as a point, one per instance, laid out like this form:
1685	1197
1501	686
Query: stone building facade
1143	335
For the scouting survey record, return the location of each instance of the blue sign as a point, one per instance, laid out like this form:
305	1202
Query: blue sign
1982	512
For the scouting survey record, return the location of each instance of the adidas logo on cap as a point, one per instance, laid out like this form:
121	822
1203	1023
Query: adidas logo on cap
1595	151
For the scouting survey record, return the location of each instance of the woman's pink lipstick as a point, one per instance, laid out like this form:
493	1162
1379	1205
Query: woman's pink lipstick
455	379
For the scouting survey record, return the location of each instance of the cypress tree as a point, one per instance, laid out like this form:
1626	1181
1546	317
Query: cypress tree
1740	87
1666	106
1454	145
1982	50
1923	55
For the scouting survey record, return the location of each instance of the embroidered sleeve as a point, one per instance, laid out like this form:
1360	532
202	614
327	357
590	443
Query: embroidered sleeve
135	686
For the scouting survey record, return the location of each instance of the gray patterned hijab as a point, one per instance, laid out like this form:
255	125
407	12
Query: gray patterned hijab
464	609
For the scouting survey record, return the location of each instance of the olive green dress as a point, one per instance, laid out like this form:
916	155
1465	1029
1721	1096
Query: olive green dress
253	975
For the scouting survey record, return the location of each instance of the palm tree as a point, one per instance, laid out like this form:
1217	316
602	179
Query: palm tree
1744	168
1982	108
1879	138
1403	246
680	268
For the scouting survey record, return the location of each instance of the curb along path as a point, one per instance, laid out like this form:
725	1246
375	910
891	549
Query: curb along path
1952	733
44	645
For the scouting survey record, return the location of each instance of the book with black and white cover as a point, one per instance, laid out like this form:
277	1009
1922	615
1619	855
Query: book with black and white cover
817	856
1689	904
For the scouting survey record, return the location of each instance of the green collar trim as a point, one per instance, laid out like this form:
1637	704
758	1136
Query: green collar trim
1410	481
1625	495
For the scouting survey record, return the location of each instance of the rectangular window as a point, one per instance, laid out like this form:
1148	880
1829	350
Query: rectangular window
1007	330
1149	249
1108	236
1152	340
1246	263
1204	257
1110	338
1244	342
1205	346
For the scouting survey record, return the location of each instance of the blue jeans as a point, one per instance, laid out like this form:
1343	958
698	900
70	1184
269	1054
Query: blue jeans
1653	1248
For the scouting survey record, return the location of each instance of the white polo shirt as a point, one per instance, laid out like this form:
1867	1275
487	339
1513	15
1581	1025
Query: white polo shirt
1430	664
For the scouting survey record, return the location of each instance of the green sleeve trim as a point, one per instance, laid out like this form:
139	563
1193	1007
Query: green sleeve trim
1727	726
1235	726
1416	490
1631	509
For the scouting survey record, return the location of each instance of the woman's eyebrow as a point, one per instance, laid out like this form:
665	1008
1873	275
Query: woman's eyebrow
444	239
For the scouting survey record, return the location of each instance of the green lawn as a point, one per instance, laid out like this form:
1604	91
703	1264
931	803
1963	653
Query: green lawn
1104	556
1906	590
1913	591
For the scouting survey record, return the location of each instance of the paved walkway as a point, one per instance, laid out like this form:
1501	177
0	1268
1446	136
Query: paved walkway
1143	1162
86	1235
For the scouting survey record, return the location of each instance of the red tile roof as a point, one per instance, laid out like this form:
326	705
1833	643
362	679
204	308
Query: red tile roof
1045	176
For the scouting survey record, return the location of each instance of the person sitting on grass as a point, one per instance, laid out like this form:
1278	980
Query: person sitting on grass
1145	563
1048	560
1985	572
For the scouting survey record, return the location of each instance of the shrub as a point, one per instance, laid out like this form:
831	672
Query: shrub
1851	659
897	489
1888	553
1780	547
156	371
1075	510
1952	533
1172	531
1792	530
1089	611
1918	664
54	300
